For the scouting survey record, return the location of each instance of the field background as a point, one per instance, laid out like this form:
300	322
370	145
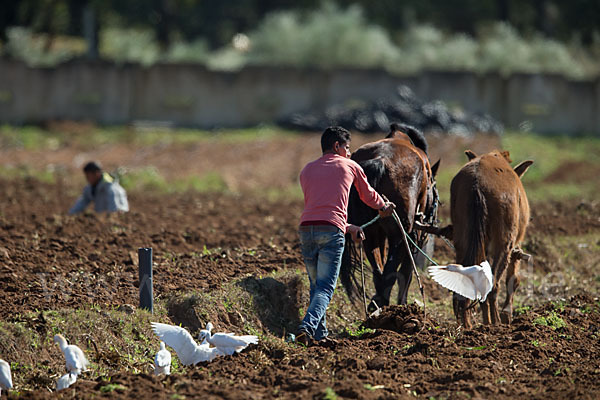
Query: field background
220	210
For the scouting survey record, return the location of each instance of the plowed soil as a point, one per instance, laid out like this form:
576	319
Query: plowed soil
408	355
50	261
199	241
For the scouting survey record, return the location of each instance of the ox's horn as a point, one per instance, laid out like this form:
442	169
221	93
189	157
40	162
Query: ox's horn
470	154
522	167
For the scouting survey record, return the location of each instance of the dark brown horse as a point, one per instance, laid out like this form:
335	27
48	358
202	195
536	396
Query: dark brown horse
397	167
490	213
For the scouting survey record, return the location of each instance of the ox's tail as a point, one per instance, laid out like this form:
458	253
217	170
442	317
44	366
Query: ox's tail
358	214
476	214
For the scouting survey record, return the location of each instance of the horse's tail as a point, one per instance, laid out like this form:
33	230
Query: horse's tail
358	214
476	214
348	269
374	170
415	135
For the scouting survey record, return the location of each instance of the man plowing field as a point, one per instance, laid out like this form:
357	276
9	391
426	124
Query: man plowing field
326	184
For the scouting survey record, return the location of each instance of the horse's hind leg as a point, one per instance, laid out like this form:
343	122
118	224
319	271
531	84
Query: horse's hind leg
376	259
404	277
385	282
512	283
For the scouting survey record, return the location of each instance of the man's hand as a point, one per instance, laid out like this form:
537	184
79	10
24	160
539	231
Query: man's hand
387	210
356	232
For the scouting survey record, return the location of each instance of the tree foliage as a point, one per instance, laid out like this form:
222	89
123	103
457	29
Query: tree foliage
504	36
217	21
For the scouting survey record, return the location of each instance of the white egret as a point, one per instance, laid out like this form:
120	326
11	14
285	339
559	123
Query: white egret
5	376
227	343
188	351
474	282
65	381
162	361
209	327
74	356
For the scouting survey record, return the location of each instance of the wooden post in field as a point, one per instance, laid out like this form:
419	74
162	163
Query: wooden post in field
145	274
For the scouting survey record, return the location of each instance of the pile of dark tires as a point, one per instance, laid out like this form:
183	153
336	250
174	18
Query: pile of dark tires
430	117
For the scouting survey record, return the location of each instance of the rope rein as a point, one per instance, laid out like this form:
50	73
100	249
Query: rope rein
412	260
371	222
405	236
364	287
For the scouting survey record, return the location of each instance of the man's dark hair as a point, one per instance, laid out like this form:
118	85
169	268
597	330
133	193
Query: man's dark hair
334	134
92	166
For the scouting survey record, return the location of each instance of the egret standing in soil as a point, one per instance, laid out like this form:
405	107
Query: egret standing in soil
103	190
326	184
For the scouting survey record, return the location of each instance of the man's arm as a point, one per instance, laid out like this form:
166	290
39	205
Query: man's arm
366	193
82	202
370	196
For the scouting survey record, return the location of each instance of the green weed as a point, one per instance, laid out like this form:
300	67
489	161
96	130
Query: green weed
522	310
111	387
551	320
329	394
358	331
475	348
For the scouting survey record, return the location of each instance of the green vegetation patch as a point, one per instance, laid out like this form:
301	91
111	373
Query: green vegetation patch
111	387
552	320
88	136
359	331
111	339
150	178
25	172
330	394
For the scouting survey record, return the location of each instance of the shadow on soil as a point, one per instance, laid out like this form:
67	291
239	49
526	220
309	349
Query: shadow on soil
276	302
268	304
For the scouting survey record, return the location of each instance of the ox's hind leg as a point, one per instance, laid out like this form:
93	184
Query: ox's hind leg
512	283
385	282
462	312
500	263
485	311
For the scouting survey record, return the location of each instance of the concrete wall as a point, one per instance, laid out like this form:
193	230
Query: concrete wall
191	95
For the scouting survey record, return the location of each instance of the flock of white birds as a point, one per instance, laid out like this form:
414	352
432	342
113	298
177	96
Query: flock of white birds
473	282
189	352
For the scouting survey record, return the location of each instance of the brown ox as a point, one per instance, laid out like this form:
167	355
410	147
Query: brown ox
489	212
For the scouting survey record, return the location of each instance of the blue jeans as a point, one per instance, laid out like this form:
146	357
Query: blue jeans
322	248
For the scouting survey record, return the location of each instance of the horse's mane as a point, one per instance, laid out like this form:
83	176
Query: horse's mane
415	135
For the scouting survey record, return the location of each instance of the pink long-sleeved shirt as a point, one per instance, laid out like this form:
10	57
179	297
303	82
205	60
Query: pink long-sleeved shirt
326	184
